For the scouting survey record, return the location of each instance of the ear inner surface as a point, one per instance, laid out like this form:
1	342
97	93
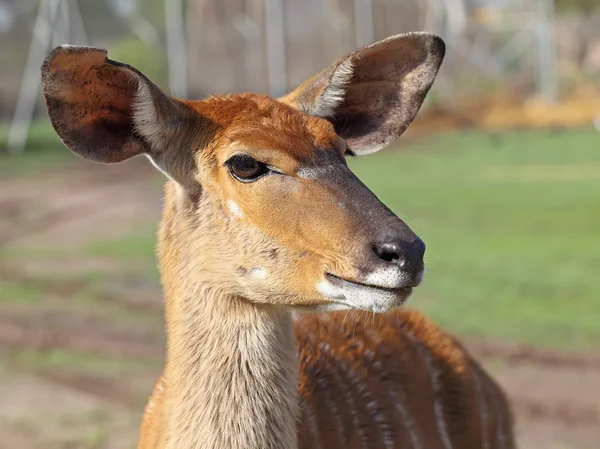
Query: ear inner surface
373	94
386	91
109	112
90	102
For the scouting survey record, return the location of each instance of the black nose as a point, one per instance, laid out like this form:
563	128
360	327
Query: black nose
407	255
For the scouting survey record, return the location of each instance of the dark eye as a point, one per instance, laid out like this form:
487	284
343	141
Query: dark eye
246	169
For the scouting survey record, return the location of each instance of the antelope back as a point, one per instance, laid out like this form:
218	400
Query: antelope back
394	380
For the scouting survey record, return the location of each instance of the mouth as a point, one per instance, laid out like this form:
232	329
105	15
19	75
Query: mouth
341	281
345	294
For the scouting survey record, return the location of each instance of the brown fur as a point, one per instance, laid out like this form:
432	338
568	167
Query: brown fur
236	257
376	381
395	370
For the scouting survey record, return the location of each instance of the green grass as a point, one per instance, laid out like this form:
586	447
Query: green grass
137	247
31	162
41	137
44	150
512	228
18	292
76	361
512	224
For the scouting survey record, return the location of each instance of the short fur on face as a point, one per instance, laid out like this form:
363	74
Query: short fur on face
277	238
244	228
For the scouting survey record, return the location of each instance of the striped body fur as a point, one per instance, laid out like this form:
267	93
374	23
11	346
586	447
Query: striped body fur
383	381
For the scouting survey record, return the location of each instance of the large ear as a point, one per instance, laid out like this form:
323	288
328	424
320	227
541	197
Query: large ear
373	94
109	112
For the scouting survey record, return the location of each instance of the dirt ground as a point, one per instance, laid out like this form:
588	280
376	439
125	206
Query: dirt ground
74	376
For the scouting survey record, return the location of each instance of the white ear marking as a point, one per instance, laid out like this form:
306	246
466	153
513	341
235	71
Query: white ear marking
145	119
335	92
160	168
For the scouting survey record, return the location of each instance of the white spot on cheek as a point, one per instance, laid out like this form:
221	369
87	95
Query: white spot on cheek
235	210
258	273
159	168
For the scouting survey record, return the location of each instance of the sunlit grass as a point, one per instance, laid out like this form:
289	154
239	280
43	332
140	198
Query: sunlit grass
511	222
514	255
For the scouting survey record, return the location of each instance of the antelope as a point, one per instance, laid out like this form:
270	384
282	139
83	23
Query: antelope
263	219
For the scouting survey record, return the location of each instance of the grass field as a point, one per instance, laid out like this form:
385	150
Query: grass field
511	221
512	225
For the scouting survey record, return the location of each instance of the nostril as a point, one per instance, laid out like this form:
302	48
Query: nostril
408	256
389	252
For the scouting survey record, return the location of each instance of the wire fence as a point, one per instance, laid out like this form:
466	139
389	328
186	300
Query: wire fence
199	47
271	45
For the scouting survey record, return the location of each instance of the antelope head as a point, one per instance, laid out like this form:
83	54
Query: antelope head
260	203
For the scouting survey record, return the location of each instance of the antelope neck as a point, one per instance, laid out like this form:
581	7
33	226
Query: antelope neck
231	374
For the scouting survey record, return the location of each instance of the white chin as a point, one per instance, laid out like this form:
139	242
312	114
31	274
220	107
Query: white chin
346	295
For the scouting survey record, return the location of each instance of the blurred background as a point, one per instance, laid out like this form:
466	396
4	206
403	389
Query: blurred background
500	175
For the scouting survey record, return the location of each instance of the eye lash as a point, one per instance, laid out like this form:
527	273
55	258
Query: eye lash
230	161
237	157
349	153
